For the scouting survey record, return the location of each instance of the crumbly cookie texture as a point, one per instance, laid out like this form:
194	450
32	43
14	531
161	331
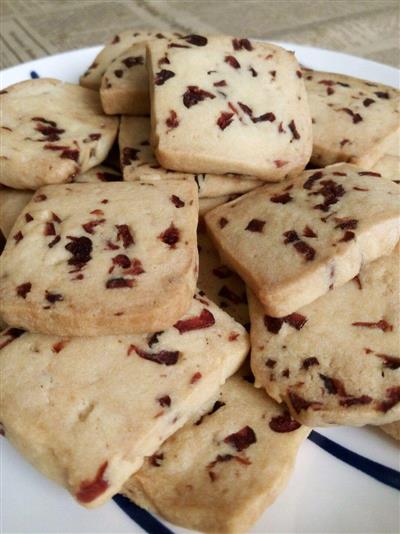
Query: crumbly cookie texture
60	131
294	242
222	104
353	120
102	258
218	281
246	446
389	167
13	201
86	411
393	429
335	361
138	162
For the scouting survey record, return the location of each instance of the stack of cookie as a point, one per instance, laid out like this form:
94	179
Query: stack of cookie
126	316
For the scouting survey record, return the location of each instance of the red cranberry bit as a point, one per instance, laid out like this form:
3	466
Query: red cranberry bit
196	40
24	289
178	203
232	61
122	261
393	395
270	363
283	423
284	198
172	121
352	401
118	283
381	94
348	236
233	336
156	459
254	73
162	76
49	229
91	225
164	401
89	490
53	297
132	61
111	246
154	338
333	385
204	320
295	320
357	280
280	163
309	183
58	347
368	101
370	173
239	44
290	237
300	404
391	362
81	249
270	117
195	378
225	119
246	109
331	191
221	83
299	74
124	235
293	129
164	357
346	224
39	198
170	236
273	324
306	250
309	232
255	225
309	362
242	439
11	333
223	222
115	40
70	154
18	236
193	95
54	241
129	154
355	116
222	272
51	132
382	325
28	217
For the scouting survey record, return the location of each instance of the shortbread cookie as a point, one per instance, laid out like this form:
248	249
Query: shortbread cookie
393	429
393	149
292	243
353	120
337	360
51	132
389	167
207	204
138	162
221	104
218	473
99	259
12	201
86	411
220	283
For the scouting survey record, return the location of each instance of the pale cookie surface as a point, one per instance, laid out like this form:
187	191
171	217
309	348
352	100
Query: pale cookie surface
99	259
353	120
245	449
218	281
138	162
12	201
207	204
336	361
57	133
389	167
221	105
292	243
86	411
393	429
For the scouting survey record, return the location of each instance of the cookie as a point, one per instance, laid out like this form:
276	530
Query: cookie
14	200
246	447
51	132
220	283
393	149
389	167
207	204
294	242
393	429
353	120
225	105
100	259
138	162
86	411
337	360
117	45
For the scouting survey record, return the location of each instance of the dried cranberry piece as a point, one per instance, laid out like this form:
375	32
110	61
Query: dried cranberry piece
70	154
118	283
357	280
293	129
89	490
154	338
280	163
23	289
156	459
346	224
224	120
355	116
11	333
172	121
232	61
122	261
284	198
115	40
283	423
54	241
255	225
164	401
204	320
393	395
164	357
91	225
295	320
270	363
129	154
300	404
290	237
246	109
382	94
39	198
53	297
348	236
196	377
170	236
197	40
331	191
132	61
309	232
242	439
45	121
124	235
306	250
222	272
223	222
270	117
136	267
28	217
193	95
309	183
221	83
239	44
178	203
382	325
391	362
162	76
333	386
273	324
18	236
351	401
254	73
80	248
309	362
49	229
368	101
57	347
370	173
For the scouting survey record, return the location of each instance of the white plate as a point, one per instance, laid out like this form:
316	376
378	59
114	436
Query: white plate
324	494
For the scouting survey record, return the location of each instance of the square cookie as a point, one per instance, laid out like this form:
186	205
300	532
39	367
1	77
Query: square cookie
99	259
51	132
353	120
221	104
86	411
246	447
294	242
138	162
337	360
